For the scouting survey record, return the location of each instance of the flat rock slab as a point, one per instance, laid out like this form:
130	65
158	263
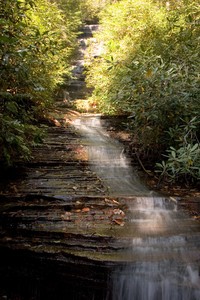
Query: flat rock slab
56	205
96	228
82	226
58	166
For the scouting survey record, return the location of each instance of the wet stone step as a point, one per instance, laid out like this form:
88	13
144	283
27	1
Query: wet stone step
51	224
88	30
60	226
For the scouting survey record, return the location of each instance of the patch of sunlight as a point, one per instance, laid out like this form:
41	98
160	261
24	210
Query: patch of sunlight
83	105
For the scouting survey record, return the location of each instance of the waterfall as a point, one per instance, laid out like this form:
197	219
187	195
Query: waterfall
156	281
107	159
163	259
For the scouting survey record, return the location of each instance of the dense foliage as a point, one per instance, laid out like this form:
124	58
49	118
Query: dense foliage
90	9
150	71
37	40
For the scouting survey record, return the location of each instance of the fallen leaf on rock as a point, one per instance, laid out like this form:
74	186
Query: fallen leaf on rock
115	201
57	123
106	200
173	199
118	211
85	209
111	202
119	222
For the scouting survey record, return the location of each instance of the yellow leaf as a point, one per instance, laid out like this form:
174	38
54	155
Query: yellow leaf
149	73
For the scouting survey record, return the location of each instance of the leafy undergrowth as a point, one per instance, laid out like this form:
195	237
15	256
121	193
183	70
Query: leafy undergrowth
149	70
187	194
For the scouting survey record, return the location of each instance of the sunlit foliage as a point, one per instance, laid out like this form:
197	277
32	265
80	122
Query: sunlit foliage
90	9
37	39
150	69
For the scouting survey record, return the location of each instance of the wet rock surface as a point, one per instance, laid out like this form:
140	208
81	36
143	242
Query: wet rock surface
58	167
56	204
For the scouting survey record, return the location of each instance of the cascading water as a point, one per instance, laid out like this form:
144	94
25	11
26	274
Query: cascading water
163	262
155	281
164	258
108	160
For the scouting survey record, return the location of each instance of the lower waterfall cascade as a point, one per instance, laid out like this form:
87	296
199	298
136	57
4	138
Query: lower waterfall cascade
164	258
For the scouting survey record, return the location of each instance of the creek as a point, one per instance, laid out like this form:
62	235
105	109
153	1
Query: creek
163	260
107	158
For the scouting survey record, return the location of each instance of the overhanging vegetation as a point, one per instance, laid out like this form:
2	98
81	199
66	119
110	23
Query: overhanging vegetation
150	71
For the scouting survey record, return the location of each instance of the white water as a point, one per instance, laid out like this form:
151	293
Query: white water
157	281
164	256
108	160
164	260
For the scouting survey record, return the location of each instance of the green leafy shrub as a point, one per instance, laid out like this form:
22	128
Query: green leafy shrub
182	164
90	9
182	161
37	42
149	69
17	132
16	140
36	45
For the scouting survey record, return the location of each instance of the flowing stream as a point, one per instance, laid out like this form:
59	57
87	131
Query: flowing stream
163	260
108	160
